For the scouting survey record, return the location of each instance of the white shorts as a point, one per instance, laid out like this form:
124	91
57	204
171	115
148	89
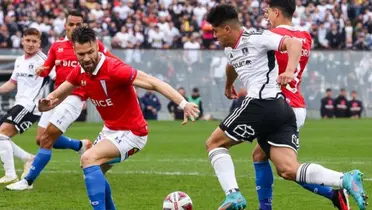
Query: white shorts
300	117
126	142
64	114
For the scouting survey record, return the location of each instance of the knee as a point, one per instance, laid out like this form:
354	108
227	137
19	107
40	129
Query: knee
88	159
258	155
287	172
45	141
212	144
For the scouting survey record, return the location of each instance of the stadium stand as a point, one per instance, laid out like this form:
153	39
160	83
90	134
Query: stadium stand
334	24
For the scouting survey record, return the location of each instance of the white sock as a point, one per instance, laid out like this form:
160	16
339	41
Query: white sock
20	153
6	155
311	173
224	169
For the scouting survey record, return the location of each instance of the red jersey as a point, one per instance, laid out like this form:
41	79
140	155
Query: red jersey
292	91
63	50
110	89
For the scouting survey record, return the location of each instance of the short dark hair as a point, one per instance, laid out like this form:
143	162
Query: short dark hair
342	89
75	13
288	7
195	90
354	91
31	31
329	90
83	35
222	13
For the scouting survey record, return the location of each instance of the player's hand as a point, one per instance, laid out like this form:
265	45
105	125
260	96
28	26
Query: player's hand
48	103
40	69
57	62
285	78
191	110
230	93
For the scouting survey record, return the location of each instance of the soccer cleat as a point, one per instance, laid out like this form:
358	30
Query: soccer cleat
234	201
27	166
85	145
19	186
8	179
352	182
340	199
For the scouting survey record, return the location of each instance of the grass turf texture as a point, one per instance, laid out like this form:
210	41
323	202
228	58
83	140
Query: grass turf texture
175	159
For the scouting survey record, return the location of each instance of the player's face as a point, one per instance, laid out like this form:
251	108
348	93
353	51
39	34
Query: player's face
271	15
222	33
72	22
87	55
31	44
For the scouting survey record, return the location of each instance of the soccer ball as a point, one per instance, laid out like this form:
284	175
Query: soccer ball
177	201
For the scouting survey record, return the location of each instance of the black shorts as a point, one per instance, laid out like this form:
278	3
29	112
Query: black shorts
20	117
272	122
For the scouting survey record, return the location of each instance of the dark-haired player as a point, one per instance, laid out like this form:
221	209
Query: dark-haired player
279	13
109	83
264	114
24	113
54	123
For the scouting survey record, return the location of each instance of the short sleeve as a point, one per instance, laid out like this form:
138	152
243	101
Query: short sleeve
267	40
13	78
123	73
74	76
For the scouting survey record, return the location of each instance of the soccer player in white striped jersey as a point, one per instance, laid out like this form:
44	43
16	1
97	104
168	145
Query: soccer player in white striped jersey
24	113
264	114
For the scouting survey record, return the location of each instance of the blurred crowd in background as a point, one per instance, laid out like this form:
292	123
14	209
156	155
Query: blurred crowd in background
169	24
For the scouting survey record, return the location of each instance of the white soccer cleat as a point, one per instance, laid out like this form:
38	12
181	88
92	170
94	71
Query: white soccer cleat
8	179
86	144
27	167
19	186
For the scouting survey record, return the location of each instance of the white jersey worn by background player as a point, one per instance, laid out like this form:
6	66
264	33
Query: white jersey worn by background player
24	113
29	85
255	65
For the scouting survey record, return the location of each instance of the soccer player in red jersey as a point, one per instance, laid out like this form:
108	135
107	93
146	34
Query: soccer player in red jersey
54	123
279	14
109	83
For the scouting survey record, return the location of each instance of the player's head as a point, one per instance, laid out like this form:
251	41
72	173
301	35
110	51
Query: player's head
329	92
280	11
342	92
225	22
74	19
181	91
31	41
86	48
354	94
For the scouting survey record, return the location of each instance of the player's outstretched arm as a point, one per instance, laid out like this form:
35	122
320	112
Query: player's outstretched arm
231	76
148	82
56	97
293	48
8	87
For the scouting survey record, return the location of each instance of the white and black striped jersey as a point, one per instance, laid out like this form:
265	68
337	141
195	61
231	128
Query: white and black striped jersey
29	85
253	59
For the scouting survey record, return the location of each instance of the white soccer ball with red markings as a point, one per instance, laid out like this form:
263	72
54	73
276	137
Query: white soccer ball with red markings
177	201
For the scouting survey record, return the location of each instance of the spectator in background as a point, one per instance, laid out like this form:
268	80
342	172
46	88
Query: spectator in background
355	106
327	107
195	98
174	109
151	105
238	102
341	105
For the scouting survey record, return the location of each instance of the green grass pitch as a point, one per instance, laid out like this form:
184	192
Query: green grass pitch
175	159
